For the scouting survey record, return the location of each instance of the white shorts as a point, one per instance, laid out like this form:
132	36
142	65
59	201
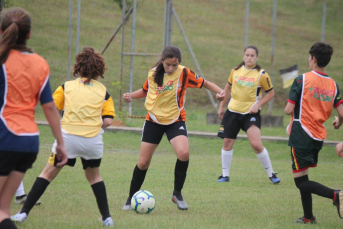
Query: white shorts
77	146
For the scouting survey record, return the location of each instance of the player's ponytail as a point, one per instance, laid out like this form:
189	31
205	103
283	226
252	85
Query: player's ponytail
89	64
168	52
15	28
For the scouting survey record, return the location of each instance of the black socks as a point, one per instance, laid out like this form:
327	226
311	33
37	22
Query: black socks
180	175
38	188
99	191
137	180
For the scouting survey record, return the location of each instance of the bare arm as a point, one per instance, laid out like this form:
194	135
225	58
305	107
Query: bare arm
338	120
214	88
106	122
223	104
289	108
53	118
265	99
140	93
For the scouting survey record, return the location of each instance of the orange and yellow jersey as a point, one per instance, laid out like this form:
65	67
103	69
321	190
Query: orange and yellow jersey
84	106
24	80
314	95
246	88
165	104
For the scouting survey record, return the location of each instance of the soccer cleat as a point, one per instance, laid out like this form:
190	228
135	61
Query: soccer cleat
108	222
274	178
19	217
223	179
303	220
338	202
181	204
127	205
22	199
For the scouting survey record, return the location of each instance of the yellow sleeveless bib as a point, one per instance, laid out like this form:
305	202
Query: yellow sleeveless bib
162	101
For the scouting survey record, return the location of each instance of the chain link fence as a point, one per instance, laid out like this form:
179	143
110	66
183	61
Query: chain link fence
215	29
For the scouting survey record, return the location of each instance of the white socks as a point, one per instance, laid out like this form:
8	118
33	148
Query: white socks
20	191
265	161
226	162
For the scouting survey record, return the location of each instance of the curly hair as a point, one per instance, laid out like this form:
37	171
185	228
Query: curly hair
89	64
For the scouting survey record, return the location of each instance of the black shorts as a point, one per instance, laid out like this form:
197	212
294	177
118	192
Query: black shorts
233	122
153	132
93	163
15	161
302	159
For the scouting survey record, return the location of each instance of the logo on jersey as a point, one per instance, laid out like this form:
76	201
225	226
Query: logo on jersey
253	119
168	87
181	128
322	94
245	81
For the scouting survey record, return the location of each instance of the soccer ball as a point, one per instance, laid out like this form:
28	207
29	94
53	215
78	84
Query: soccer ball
143	202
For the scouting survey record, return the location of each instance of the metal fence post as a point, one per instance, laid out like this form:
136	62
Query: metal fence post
270	107
167	22
78	26
133	30
70	37
324	21
247	11
122	54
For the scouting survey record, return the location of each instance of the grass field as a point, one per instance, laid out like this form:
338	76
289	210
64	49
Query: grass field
249	200
215	29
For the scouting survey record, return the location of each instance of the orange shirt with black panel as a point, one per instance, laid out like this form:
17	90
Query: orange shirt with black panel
314	95
165	104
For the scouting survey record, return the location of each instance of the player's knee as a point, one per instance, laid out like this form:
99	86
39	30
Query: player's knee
143	164
258	148
183	155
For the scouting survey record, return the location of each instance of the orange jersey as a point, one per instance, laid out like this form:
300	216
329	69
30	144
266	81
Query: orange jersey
24	81
187	79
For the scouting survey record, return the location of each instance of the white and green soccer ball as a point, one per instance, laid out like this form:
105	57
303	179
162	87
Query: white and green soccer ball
143	202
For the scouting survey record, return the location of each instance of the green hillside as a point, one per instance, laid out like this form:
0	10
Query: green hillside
215	29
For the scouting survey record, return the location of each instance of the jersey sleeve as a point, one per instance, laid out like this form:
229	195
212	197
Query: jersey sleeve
45	96
266	82
230	77
338	98
108	110
146	85
295	91
59	97
194	80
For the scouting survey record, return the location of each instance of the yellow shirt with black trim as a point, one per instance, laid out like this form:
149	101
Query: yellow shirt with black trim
246	88
84	106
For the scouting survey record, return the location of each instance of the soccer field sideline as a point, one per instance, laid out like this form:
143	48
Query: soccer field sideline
138	130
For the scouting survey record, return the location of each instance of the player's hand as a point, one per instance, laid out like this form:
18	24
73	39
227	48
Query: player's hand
127	97
62	155
221	113
335	123
339	149
254	109
220	96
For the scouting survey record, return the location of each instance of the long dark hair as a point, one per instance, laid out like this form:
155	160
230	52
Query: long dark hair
258	67
168	52
15	27
89	64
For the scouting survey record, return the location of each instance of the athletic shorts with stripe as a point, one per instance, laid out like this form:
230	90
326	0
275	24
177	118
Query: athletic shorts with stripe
153	132
233	122
302	159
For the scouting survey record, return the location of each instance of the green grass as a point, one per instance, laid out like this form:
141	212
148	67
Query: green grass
215	30
249	200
